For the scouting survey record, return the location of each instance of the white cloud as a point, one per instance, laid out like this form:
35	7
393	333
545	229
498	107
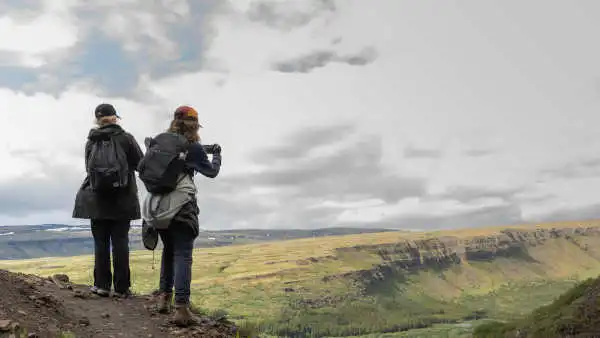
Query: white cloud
423	90
41	130
445	77
33	38
246	45
133	28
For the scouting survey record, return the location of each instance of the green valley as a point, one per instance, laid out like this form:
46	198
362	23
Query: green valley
387	284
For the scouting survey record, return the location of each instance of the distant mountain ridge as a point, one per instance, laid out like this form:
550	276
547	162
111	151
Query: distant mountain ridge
56	240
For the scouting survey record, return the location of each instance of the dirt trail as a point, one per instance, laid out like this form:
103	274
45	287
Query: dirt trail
47	307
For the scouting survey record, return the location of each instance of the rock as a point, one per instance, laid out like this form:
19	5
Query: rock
180	332
209	321
21	312
80	294
14	326
105	315
33	335
61	278
5	325
84	321
62	281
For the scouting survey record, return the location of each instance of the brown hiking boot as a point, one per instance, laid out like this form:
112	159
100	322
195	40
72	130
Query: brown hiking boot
164	302
184	317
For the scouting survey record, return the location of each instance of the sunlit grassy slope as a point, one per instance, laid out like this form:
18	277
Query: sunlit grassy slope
576	313
281	283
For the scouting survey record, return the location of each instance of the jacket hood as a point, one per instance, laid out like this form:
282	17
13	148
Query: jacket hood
105	132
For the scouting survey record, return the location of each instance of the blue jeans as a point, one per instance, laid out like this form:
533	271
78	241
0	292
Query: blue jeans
176	265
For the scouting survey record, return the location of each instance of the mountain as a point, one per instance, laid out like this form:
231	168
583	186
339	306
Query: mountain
382	284
56	240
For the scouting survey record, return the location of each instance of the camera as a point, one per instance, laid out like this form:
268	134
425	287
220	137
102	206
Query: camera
212	148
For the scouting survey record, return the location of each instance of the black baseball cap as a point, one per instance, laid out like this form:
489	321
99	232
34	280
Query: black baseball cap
105	110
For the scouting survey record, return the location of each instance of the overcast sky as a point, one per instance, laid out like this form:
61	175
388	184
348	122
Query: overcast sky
381	113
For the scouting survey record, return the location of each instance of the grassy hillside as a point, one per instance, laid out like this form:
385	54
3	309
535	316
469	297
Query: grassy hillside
319	286
576	313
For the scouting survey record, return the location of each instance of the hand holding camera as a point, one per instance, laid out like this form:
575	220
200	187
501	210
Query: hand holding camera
212	149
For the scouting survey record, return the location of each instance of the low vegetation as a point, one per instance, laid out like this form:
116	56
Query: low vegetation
307	287
575	313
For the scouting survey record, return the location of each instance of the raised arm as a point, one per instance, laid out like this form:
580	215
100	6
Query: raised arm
200	163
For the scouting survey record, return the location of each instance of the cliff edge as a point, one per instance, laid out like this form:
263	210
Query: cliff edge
411	256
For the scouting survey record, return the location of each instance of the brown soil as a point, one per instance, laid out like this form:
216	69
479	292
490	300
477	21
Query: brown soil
49	307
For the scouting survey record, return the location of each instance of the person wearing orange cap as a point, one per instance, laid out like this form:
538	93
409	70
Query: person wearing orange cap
178	238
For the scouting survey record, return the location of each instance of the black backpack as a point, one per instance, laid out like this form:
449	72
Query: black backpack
163	162
107	167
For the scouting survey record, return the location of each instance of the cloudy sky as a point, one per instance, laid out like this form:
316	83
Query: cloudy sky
382	113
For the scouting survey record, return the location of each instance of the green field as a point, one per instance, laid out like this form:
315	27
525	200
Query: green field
309	286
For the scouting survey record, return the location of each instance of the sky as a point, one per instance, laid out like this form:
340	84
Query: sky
382	113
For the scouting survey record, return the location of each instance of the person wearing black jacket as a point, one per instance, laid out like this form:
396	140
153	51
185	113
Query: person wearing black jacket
110	214
178	238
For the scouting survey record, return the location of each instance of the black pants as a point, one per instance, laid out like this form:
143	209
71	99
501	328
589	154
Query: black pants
115	232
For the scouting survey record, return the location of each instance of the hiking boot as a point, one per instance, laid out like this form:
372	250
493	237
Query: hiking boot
184	317
99	291
125	294
165	300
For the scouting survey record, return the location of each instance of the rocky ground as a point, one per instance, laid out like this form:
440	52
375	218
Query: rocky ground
32	306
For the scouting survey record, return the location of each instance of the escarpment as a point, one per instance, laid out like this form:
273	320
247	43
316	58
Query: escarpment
411	256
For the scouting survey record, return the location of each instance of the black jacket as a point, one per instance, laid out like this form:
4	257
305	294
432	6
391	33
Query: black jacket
122	206
197	161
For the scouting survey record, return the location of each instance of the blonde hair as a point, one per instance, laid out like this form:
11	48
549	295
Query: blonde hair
186	127
106	120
